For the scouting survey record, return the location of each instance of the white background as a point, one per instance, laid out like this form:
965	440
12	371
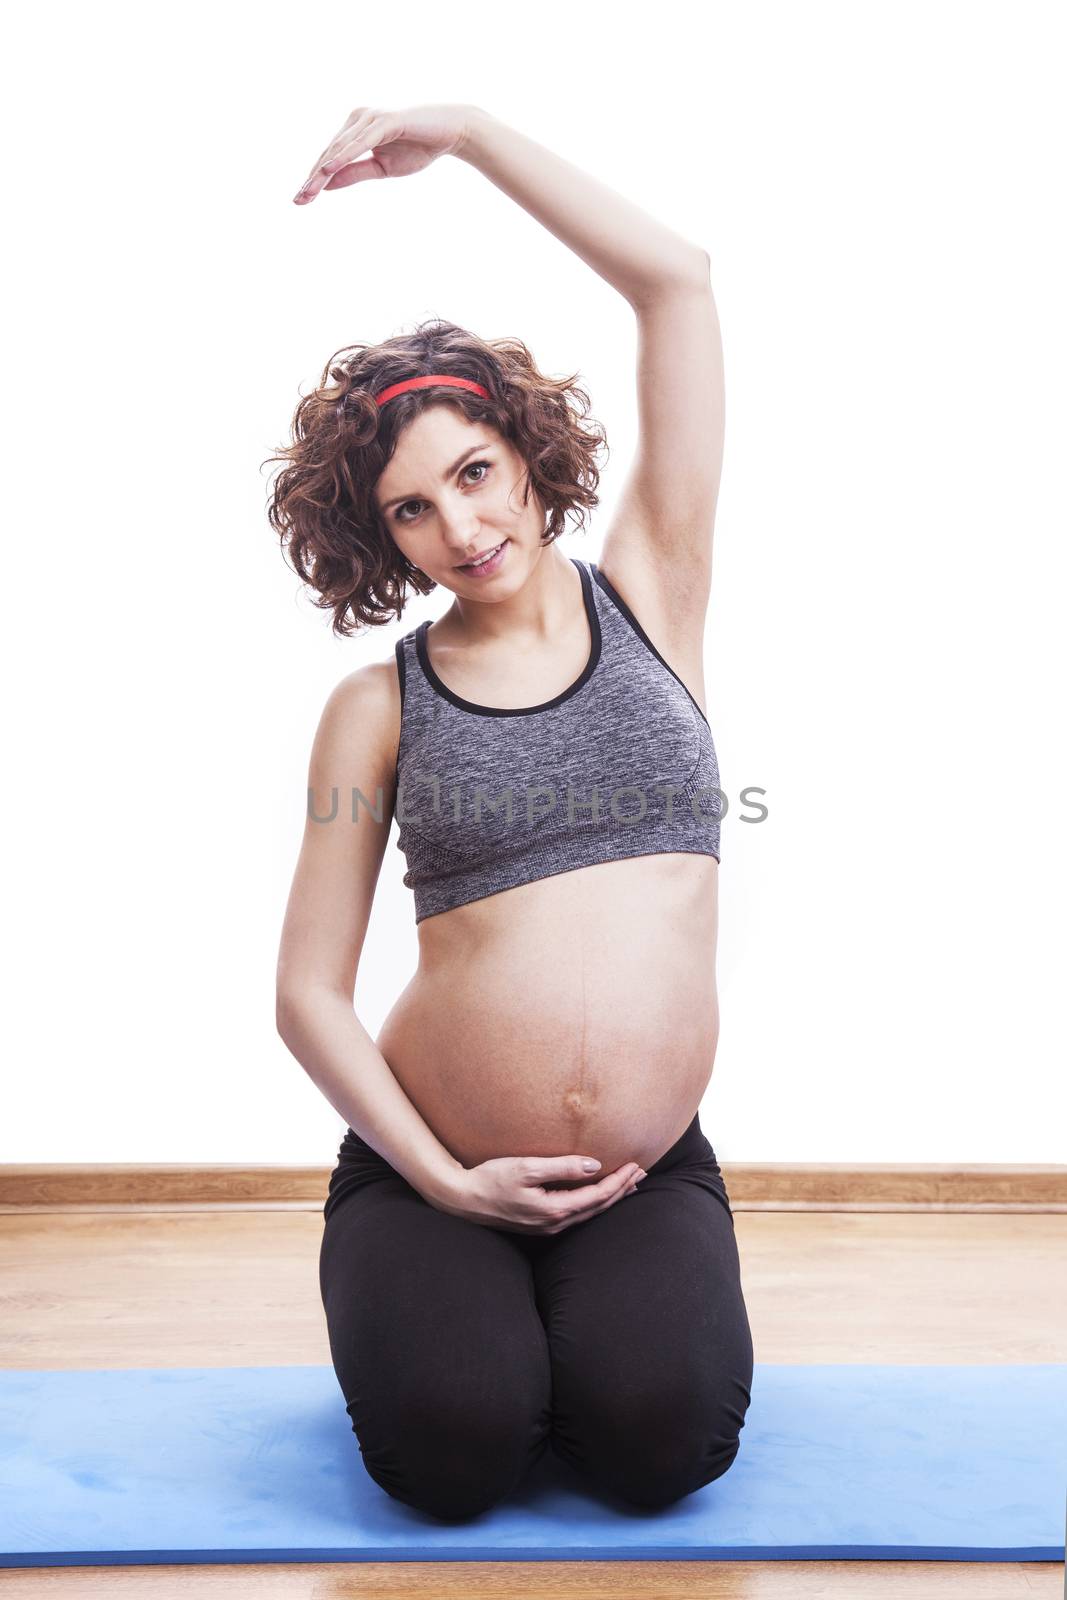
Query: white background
880	192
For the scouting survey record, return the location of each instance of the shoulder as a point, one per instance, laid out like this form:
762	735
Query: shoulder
368	690
360	721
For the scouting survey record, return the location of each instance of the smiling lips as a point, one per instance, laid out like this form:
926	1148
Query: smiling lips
487	559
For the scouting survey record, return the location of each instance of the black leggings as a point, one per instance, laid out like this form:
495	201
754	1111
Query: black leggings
463	1351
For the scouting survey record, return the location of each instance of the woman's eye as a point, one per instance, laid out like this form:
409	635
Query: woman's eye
470	467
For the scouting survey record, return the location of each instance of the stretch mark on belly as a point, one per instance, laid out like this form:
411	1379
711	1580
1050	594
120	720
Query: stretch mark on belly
575	1100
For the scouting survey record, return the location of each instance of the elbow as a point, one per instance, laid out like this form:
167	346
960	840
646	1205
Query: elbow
703	269
292	1003
286	1005
291	989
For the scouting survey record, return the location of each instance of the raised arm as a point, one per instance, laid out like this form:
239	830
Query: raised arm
657	550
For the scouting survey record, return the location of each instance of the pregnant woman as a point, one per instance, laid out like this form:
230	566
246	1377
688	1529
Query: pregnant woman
488	1287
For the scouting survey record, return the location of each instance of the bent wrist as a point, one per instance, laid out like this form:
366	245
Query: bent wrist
476	121
447	1185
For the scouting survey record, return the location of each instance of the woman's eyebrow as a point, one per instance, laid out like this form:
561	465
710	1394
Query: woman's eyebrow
448	473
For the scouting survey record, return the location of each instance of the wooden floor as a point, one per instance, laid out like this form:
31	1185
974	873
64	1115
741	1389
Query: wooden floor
129	1288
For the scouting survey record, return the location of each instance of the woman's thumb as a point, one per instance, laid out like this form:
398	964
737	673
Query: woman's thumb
561	1169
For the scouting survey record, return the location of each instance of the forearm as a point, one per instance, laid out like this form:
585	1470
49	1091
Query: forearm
323	1032
636	254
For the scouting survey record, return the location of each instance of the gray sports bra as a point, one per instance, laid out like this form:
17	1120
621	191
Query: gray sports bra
620	764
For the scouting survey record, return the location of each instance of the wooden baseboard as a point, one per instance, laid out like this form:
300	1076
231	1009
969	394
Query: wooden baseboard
752	1186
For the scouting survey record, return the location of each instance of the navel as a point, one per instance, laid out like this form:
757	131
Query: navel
577	1101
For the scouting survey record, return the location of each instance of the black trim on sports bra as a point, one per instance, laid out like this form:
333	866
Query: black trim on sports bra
423	655
617	599
401	669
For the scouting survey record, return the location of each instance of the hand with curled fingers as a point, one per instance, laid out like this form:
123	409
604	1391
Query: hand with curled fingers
399	143
509	1193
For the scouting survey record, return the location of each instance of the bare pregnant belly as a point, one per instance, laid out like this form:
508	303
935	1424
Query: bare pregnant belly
577	1015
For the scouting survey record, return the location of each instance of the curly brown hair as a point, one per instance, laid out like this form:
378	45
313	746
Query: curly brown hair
322	505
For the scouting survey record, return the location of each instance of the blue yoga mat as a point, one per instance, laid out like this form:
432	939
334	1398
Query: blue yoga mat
242	1464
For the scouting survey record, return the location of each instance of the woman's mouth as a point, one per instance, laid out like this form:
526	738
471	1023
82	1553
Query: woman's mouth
489	564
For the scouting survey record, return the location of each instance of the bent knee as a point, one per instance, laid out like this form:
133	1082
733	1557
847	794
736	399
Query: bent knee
453	1469
653	1487
447	1496
655	1454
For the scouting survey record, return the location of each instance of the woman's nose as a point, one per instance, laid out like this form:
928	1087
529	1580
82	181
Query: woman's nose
460	531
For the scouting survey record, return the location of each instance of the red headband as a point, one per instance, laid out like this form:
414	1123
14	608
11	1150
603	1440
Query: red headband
424	383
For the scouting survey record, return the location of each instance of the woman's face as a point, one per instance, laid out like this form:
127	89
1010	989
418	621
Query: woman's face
452	490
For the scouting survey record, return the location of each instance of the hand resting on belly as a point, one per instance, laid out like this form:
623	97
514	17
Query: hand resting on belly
510	1193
